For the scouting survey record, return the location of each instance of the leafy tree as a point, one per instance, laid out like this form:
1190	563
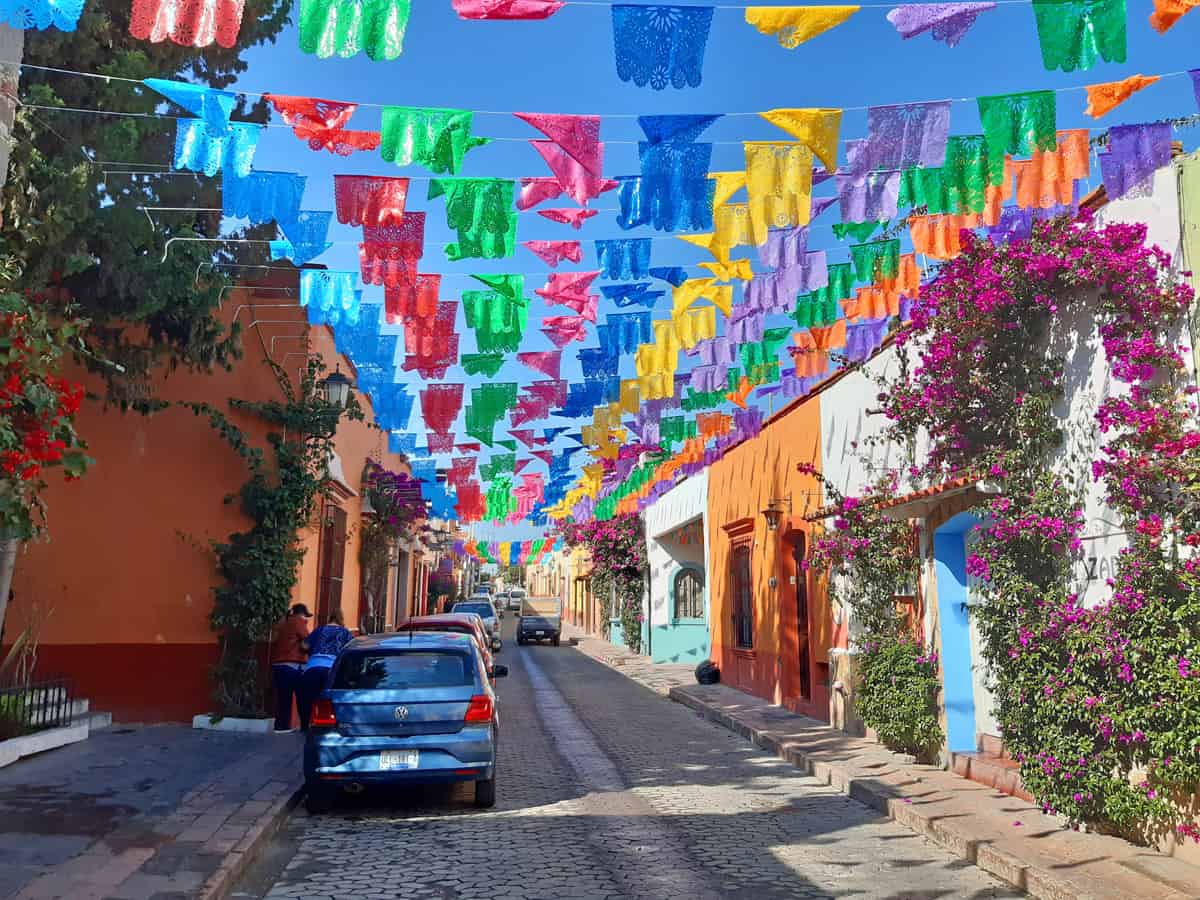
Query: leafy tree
69	225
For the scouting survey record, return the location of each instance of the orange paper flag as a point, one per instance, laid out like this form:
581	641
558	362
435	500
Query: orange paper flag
1168	12
1104	98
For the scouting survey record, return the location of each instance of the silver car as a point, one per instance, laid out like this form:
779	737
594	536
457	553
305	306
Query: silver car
487	612
515	596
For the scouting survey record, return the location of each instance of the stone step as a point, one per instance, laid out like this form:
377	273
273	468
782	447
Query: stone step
98	721
997	772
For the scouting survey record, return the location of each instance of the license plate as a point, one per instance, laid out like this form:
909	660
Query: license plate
539	634
398	759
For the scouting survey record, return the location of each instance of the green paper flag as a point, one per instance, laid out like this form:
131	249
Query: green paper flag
489	403
483	363
1018	124
675	429
860	231
346	27
761	358
809	313
437	139
498	316
1075	33
500	500
960	186
481	211
508	444
877	259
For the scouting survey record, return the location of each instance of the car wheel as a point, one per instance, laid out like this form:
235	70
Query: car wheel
485	793
520	640
555	640
318	800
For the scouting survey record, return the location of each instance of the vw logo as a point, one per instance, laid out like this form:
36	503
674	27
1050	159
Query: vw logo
401	713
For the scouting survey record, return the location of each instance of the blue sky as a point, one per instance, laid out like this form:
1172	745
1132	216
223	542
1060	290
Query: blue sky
565	65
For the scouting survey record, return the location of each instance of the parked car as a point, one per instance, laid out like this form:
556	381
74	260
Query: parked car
541	620
487	612
454	624
403	709
515	596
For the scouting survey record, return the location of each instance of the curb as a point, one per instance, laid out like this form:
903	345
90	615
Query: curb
221	883
865	781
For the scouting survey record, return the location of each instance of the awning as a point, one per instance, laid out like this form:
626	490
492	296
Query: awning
919	504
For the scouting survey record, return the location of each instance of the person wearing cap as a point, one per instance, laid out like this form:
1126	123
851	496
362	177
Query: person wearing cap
288	657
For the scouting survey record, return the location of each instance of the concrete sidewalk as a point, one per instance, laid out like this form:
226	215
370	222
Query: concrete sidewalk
143	813
1005	836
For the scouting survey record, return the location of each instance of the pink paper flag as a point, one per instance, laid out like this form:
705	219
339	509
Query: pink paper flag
546	456
524	435
573	217
569	288
548	362
520	464
572	177
535	190
563	329
471	447
554	252
579	136
506	9
554	392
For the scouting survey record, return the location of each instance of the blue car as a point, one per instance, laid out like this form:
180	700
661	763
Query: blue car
414	708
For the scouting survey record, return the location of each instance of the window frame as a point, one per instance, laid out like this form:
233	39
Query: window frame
697	574
742	605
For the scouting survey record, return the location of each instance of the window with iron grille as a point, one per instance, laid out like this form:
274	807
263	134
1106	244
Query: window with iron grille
688	594
742	596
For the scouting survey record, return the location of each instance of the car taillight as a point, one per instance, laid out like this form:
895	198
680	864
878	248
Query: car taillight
480	709
322	714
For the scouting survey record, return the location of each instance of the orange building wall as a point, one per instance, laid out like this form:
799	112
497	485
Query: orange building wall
124	585
740	486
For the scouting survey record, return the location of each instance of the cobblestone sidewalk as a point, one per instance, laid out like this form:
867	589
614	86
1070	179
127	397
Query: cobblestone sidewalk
147	813
659	677
1002	835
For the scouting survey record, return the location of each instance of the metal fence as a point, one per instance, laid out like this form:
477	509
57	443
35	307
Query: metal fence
35	705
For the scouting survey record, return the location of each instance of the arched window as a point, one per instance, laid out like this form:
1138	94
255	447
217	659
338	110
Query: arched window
688	594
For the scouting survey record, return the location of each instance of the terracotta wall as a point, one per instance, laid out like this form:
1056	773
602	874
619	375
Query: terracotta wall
740	486
124	586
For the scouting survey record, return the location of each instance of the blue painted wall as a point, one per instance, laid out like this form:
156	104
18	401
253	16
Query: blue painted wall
681	640
950	558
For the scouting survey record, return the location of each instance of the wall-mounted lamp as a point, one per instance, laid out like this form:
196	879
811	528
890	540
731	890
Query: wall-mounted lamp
336	388
774	512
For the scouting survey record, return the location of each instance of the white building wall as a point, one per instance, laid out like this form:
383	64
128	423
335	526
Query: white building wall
684	503
1089	383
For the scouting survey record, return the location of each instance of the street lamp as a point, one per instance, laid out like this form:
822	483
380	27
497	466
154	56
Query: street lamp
336	388
774	512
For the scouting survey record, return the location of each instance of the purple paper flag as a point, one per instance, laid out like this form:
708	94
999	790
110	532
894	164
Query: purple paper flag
1135	153
948	21
906	135
776	291
869	196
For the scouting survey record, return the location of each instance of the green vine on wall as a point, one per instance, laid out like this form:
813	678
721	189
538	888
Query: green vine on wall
872	560
259	566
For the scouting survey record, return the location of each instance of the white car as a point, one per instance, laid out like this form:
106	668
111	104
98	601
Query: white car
515	596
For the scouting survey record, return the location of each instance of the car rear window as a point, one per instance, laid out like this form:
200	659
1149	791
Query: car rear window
482	609
453	629
402	669
516	594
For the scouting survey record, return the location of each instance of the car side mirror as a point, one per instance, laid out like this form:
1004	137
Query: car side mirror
499	671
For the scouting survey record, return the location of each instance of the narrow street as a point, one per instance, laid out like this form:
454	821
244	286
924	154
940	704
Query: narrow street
606	790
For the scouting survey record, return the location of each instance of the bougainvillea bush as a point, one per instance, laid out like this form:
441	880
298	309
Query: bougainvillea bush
617	548
1100	704
37	407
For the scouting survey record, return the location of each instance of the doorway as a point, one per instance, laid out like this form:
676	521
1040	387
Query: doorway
803	641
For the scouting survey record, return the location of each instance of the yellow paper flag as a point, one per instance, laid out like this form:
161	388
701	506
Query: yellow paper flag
793	25
816	128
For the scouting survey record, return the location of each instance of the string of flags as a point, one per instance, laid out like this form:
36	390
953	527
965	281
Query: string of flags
696	364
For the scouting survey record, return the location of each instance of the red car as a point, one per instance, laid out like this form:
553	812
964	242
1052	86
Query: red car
456	623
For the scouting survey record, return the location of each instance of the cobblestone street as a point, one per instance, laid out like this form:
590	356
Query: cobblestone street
606	790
